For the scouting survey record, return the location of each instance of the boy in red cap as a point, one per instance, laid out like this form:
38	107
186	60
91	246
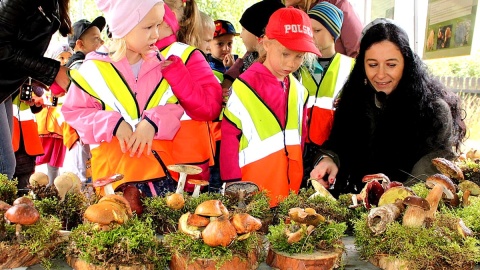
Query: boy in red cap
264	119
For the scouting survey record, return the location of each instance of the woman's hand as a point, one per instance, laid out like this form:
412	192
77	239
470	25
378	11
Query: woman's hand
123	134
325	167
142	136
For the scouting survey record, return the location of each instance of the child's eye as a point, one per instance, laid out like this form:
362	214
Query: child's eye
285	54
299	56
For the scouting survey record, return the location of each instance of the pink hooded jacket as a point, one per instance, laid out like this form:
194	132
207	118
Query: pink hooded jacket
94	125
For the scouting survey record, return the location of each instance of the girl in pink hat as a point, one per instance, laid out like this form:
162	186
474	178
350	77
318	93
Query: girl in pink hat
116	102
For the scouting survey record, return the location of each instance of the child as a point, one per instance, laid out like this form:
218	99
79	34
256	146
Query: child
208	29
324	81
264	120
253	21
50	123
192	82
115	103
86	38
221	58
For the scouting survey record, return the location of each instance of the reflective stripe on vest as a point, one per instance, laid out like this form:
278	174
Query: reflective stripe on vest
24	124
268	154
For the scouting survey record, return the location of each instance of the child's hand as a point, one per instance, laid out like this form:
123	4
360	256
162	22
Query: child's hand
226	94
228	60
142	136
123	134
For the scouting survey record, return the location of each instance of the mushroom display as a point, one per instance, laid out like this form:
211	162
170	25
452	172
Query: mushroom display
416	211
448	168
240	191
38	179
106	184
468	188
440	184
21	214
198	185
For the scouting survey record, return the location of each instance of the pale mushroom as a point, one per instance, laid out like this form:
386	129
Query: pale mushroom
468	188
77	183
393	194
107	183
320	190
198	185
440	184
63	183
416	211
38	179
21	214
184	170
189	230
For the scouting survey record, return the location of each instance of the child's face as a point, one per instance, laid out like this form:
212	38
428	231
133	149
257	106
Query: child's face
280	60
322	37
90	40
142	38
63	58
249	39
207	38
221	46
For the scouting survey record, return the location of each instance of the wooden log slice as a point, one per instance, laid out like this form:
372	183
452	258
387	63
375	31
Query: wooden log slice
184	262
14	256
79	264
386	262
318	260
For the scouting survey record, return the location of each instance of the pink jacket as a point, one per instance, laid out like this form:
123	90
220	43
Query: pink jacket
349	41
195	86
94	125
270	90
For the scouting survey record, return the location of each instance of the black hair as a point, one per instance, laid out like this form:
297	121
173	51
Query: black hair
65	21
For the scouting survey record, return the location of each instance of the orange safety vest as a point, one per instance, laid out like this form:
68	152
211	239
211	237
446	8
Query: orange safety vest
321	97
24	125
193	142
269	155
115	95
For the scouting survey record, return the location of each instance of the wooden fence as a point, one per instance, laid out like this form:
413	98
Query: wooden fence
462	84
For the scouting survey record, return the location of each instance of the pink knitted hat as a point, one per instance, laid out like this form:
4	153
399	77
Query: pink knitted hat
123	15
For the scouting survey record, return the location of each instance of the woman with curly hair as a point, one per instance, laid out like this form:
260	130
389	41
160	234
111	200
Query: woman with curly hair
393	117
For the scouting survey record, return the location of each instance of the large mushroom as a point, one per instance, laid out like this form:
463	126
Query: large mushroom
393	194
440	184
106	183
241	190
110	210
468	188
184	170
211	208
187	229
416	211
39	179
245	224
219	232
448	168
320	190
21	214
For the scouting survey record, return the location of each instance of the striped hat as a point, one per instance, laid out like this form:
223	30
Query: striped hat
329	16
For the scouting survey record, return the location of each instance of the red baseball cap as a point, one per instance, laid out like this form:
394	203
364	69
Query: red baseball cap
293	29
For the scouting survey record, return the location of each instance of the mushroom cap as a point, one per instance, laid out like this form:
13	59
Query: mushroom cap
22	214
4	206
320	190
38	179
105	213
185	168
393	194
197	220
219	232
183	226
417	201
175	201
23	200
133	196
107	180
234	187
63	183
373	193
448	168
211	208
198	182
469	185
440	179
245	223
375	177
306	216
77	183
120	200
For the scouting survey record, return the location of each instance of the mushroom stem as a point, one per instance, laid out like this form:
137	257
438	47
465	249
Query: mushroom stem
181	183
196	191
378	218
108	189
18	230
414	217
465	196
433	198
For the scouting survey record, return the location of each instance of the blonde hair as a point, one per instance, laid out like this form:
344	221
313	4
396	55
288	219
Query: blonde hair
118	49
189	19
207	22
308	58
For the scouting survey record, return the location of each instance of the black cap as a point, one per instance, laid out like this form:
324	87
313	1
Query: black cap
255	18
81	26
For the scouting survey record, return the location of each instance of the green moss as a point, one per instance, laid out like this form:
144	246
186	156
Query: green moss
420	189
69	211
133	243
8	189
197	249
423	248
325	236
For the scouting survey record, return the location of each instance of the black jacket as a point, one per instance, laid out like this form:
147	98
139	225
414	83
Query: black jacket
26	28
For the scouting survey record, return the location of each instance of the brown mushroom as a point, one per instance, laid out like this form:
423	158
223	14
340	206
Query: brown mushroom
189	230
468	188
211	208
299	233
245	223
241	190
105	214
219	232
184	170
120	200
198	185
21	214
4	206
38	179
197	220
308	216
133	196
106	184
440	184
23	200
175	201
448	168
416	211
379	177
